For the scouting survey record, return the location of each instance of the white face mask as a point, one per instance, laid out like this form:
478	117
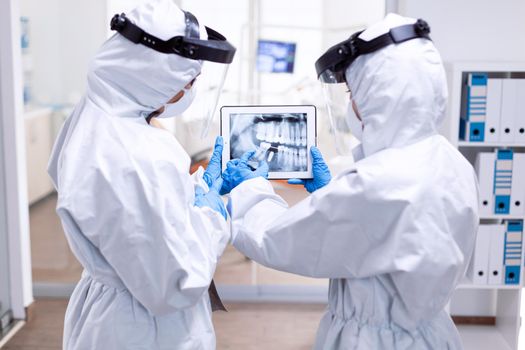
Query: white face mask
355	125
177	108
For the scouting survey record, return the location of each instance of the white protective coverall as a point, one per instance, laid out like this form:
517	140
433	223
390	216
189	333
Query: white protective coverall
395	231
126	201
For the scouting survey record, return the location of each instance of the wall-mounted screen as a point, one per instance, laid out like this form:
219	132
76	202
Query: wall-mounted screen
275	56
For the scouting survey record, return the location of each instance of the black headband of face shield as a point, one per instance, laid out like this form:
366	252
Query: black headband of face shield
332	65
215	49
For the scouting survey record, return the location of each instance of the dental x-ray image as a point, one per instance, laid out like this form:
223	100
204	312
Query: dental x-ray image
280	139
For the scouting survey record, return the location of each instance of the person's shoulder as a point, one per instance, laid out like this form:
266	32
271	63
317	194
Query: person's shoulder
409	165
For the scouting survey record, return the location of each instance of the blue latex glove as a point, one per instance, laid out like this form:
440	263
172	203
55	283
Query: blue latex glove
212	199
214	168
320	172
238	170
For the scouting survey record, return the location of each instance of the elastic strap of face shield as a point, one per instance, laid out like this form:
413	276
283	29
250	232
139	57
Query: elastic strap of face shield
135	34
216	49
396	35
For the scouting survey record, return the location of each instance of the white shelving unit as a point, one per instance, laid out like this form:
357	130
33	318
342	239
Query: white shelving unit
500	301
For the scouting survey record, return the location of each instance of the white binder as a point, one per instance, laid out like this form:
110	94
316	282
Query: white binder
517	197
492	121
509	109
485	163
497	246
519	137
480	258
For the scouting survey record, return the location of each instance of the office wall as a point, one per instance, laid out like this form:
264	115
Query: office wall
44	48
81	37
342	18
481	30
64	36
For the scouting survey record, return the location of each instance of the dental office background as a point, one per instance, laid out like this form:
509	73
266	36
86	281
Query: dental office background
45	49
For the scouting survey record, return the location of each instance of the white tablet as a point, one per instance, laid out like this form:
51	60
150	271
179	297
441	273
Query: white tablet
281	135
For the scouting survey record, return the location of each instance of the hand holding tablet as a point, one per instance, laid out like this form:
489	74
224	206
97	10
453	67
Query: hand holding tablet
320	171
280	135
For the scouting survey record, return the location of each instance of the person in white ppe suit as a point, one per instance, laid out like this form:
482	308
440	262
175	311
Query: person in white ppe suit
394	232
147	234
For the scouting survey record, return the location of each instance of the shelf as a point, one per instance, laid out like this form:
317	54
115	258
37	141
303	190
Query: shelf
501	217
489	286
482	338
488	144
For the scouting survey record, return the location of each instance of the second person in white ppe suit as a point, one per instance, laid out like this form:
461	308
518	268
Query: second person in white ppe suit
394	232
147	234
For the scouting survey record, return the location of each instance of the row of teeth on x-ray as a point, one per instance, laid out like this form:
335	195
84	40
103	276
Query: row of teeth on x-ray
282	157
282	142
282	132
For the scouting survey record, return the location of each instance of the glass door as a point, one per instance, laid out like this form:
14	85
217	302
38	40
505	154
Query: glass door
5	302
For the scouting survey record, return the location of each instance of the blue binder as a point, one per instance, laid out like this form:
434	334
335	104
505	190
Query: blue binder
512	252
503	181
474	111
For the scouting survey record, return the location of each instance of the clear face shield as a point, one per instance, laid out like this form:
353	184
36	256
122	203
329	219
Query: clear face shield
339	111
208	87
331	67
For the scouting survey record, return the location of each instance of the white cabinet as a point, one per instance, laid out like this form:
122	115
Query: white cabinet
484	301
38	130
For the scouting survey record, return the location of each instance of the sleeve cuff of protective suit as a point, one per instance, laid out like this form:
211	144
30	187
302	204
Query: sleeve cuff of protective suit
198	181
246	197
247	194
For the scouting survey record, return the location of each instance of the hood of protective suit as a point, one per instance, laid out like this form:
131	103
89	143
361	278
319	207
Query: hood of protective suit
132	80
400	91
127	80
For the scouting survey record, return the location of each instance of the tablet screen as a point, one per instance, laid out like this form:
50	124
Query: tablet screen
282	135
278	138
